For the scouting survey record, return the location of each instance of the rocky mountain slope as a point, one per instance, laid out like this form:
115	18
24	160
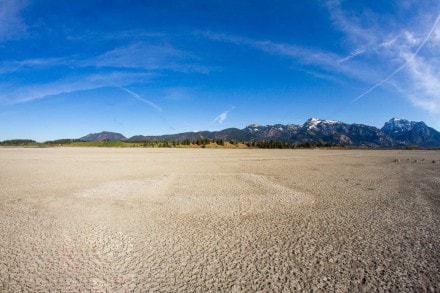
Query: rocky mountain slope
405	132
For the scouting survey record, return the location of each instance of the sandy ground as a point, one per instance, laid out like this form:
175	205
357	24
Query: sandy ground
122	220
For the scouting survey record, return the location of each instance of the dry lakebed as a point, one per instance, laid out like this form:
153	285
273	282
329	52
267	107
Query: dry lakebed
200	220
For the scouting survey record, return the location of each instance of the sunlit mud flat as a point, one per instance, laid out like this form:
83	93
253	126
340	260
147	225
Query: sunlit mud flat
109	219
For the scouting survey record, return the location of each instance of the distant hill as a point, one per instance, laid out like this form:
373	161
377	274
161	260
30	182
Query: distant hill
225	134
103	136
395	133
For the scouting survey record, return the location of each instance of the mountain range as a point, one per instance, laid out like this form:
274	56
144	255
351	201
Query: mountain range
395	133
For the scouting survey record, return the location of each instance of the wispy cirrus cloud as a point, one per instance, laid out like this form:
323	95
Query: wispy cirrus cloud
147	56
31	64
221	117
436	36
377	49
351	55
30	92
123	36
408	49
11	23
425	90
299	53
424	77
326	62
138	55
353	25
11	94
121	65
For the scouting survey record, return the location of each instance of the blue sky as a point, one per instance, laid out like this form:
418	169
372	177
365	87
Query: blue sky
155	67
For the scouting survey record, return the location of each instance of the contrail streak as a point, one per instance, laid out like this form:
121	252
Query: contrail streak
401	67
137	97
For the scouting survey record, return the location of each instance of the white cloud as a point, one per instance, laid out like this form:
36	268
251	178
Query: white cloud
148	57
10	94
35	63
222	117
351	24
11	23
387	44
422	76
411	39
351	55
425	82
138	56
391	46
327	62
302	54
436	37
178	93
144	59
399	47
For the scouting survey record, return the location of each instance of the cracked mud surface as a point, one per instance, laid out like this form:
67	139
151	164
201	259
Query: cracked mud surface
136	220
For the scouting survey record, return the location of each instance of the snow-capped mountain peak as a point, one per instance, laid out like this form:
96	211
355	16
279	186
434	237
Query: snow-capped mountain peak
313	123
396	125
254	128
411	133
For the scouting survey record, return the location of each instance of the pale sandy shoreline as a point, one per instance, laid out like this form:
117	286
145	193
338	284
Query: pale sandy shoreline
98	219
